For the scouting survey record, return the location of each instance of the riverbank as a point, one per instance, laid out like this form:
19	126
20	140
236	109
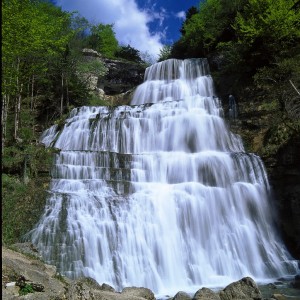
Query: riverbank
26	276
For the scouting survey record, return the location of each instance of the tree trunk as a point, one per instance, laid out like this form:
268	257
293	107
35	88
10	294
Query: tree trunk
31	98
67	92
4	113
62	94
17	112
17	103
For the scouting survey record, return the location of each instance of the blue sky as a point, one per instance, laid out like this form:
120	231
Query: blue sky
146	25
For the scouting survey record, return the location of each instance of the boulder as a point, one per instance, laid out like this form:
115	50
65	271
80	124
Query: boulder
107	287
278	297
182	296
244	289
31	270
206	294
140	292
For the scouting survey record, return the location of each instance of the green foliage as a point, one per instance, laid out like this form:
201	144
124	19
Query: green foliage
103	40
165	53
26	289
246	39
277	136
206	27
35	37
261	28
81	27
22	205
190	12
25	177
285	69
91	67
129	53
269	21
232	57
12	159
97	101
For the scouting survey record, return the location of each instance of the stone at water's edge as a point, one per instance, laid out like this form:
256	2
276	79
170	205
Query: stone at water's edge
182	296
57	287
206	294
244	289
138	292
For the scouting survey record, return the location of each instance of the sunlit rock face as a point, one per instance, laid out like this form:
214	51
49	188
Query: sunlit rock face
159	193
121	76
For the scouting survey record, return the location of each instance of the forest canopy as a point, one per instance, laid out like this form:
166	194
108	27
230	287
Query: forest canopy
42	62
246	38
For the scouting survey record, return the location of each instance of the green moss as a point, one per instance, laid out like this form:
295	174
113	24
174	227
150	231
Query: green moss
26	289
270	106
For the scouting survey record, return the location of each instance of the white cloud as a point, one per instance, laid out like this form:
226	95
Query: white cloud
130	23
155	13
180	15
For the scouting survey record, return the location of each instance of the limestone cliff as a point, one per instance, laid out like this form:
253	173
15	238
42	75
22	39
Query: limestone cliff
119	81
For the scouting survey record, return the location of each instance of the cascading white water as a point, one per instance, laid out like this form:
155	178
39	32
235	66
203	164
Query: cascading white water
159	194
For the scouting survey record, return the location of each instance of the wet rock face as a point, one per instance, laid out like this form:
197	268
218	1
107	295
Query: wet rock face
285	180
253	124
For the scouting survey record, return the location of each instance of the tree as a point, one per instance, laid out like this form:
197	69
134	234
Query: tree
81	27
129	53
103	40
165	53
190	12
268	26
206	27
35	33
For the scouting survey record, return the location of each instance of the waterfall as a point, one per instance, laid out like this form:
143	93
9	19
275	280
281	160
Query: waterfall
159	193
